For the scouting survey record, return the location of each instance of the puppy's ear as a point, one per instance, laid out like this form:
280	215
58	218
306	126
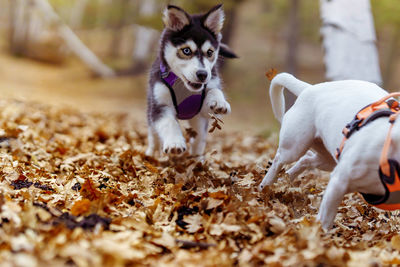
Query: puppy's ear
225	51
214	19
175	18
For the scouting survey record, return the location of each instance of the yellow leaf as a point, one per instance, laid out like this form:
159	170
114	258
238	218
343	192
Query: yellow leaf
395	241
80	207
271	73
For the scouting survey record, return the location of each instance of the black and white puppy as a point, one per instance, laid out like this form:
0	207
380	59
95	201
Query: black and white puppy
184	82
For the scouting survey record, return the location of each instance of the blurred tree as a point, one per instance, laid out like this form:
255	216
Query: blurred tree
145	37
388	21
117	27
293	37
19	26
29	36
349	40
72	41
292	41
77	13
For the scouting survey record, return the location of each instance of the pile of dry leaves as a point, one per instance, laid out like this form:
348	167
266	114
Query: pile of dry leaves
76	189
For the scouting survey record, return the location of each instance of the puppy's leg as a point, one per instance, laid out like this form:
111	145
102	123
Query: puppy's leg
153	141
165	124
200	125
310	160
215	102
295	138
169	131
334	193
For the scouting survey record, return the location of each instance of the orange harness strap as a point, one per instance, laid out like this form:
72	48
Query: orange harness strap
367	114
389	169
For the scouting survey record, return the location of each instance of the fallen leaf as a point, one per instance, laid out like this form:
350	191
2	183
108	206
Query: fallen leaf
194	223
271	73
80	207
213	203
395	242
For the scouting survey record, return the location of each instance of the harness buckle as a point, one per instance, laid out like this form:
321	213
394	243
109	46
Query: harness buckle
351	127
164	74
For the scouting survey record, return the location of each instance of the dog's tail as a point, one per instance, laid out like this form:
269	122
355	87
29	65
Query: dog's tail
278	83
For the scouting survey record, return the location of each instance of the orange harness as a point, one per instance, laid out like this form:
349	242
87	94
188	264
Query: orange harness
389	169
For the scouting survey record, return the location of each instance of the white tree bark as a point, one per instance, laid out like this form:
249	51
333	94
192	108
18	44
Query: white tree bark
73	42
145	37
349	40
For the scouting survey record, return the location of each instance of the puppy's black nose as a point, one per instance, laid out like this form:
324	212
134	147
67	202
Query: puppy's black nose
202	75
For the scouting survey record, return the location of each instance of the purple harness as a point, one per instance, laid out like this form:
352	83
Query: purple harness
191	105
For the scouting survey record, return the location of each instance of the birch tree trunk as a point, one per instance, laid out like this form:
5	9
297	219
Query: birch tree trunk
349	40
145	37
72	41
117	36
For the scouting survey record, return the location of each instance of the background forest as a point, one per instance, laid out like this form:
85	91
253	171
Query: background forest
76	188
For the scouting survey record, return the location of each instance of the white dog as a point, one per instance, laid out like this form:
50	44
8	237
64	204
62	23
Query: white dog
312	131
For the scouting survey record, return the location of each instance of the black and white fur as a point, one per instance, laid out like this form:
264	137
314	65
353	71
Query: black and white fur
202	35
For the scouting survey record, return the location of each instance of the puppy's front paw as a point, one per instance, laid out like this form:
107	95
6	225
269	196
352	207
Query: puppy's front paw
174	147
219	107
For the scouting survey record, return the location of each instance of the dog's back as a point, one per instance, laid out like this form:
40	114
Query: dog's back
318	102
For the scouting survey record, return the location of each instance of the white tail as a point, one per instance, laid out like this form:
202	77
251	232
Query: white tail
281	81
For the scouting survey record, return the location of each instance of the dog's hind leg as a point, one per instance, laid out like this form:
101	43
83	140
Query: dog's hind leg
273	171
153	142
310	160
334	193
294	141
200	126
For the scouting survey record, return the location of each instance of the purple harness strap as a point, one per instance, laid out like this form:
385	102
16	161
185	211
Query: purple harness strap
168	76
191	105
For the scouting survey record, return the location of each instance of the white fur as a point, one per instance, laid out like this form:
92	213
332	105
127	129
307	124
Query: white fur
166	129
311	132
198	144
208	63
215	102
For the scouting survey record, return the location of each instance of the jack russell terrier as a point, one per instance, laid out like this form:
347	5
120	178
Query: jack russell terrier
364	160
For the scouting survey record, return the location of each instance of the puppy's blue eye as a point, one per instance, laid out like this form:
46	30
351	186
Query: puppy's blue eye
210	53
187	51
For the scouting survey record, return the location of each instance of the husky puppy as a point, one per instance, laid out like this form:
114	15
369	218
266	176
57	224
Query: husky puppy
184	82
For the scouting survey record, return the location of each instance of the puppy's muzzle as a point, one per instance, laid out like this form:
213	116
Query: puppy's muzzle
202	75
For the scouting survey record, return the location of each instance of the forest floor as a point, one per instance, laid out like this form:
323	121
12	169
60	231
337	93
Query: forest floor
77	190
